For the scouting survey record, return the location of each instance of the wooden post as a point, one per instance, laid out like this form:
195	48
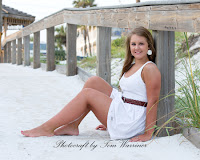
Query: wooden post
36	50
104	53
19	51
5	58
71	50
50	49
1	55
9	51
165	47
13	56
27	50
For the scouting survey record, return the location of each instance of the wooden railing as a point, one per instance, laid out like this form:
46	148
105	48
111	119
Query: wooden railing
163	18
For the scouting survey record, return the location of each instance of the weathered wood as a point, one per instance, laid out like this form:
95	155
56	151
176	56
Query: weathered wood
13	56
9	51
36	50
50	49
170	17
71	50
83	74
27	50
19	51
104	53
5	58
165	47
13	36
47	22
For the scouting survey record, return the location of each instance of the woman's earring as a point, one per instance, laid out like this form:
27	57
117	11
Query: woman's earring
149	52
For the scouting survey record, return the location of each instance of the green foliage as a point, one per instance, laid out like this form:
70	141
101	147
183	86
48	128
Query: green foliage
118	48
117	51
60	55
83	3
88	62
60	37
179	39
31	39
119	42
188	100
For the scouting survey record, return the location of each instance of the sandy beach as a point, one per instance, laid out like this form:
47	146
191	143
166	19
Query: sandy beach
29	97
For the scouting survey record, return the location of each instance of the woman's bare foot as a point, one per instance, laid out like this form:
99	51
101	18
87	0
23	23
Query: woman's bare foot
37	132
69	129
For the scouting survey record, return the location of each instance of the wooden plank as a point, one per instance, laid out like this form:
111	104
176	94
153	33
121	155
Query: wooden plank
27	50
54	20
50	49
9	51
47	22
197	24
166	20
13	55
121	19
164	8
106	20
165	47
187	19
83	74
14	36
104	53
36	50
142	9
19	51
194	6
71	50
93	19
5	58
174	17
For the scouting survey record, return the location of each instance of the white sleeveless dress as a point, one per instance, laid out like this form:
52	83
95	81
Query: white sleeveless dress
127	120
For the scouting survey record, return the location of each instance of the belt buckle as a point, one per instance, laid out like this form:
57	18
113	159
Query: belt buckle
124	99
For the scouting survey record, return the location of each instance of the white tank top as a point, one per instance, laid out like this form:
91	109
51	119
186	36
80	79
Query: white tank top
133	87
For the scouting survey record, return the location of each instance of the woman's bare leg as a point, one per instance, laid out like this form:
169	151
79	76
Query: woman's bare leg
87	99
96	83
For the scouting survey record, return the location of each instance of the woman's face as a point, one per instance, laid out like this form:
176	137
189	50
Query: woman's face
138	47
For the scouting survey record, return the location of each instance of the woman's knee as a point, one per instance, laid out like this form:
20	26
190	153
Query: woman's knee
91	81
87	92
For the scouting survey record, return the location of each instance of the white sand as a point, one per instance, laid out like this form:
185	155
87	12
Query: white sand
29	97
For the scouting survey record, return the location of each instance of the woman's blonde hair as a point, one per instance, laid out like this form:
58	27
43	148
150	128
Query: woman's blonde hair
140	31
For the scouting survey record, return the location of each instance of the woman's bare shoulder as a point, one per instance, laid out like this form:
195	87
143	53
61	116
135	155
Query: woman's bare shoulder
151	70
151	67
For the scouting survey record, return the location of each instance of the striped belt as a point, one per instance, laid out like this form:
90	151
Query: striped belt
132	101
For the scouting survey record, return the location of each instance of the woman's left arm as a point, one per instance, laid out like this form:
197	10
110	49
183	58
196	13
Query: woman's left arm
152	78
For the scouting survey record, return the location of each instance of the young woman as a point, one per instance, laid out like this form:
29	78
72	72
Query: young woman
130	113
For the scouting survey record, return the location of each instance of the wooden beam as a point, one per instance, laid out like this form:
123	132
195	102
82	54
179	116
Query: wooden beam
50	49
36	50
13	55
9	51
104	53
27	50
5	27
165	47
19	51
71	50
5	60
174	17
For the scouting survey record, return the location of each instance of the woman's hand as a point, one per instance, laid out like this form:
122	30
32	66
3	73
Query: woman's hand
101	127
141	138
